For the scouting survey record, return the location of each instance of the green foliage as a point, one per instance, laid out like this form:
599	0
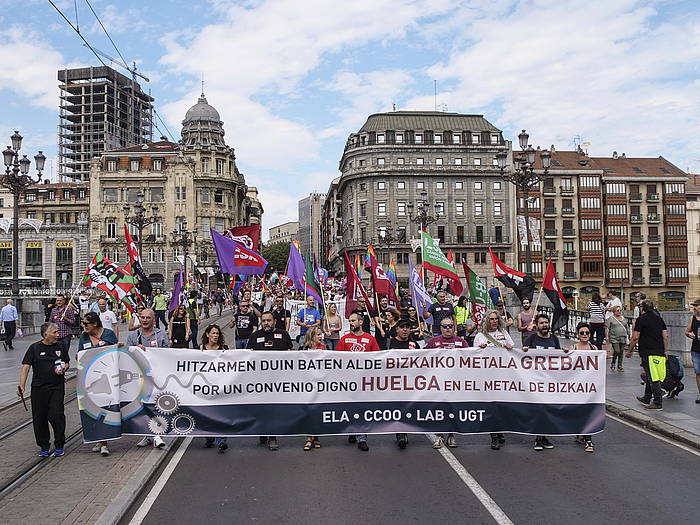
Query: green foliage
276	254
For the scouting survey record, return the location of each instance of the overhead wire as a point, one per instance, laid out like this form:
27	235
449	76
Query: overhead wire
107	33
77	30
164	125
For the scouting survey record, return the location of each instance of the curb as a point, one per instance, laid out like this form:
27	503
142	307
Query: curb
130	492
645	421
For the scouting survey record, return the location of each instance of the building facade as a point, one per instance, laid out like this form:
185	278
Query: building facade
611	223
309	235
401	159
100	110
286	232
692	192
195	185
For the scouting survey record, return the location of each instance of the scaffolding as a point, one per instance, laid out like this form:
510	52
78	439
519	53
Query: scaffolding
100	110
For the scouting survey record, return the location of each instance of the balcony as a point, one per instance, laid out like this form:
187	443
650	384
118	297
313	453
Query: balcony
654	259
652	197
638	280
570	275
654	239
636	219
566	190
549	190
637	260
551	254
550	212
568	211
635	197
550	233
653	218
637	239
656	279
569	254
568	232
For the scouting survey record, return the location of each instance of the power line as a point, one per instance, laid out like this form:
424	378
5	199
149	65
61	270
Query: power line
164	124
78	32
106	33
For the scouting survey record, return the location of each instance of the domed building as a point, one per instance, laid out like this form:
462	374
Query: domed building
194	183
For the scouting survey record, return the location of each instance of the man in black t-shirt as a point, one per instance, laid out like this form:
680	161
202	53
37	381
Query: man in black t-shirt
48	360
269	338
439	310
402	341
245	322
651	335
283	317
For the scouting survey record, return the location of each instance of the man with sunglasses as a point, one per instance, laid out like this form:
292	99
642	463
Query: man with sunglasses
245	322
439	310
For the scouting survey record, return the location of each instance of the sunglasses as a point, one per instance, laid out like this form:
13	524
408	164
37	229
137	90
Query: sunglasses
493	318
584	332
447	326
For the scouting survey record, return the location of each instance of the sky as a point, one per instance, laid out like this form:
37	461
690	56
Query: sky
293	79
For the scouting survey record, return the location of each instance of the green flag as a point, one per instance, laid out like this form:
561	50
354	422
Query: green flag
313	288
436	261
478	294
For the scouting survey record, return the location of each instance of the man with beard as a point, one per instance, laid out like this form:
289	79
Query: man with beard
439	310
380	324
402	341
525	319
283	317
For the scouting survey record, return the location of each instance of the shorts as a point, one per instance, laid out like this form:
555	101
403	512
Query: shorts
696	362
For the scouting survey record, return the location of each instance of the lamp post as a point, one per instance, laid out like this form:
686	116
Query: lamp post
203	253
185	238
17	179
524	178
422	215
139	218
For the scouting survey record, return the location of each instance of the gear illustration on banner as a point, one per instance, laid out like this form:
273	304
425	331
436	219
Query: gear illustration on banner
166	403
158	425
182	424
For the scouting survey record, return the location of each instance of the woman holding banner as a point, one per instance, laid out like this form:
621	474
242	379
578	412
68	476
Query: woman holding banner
313	340
584	331
179	328
213	339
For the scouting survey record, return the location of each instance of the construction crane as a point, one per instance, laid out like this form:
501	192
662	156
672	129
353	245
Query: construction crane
119	63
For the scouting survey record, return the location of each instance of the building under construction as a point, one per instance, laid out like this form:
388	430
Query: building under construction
100	110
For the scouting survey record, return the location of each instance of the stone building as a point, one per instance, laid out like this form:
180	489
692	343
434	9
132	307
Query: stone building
195	184
692	192
286	232
309	234
398	160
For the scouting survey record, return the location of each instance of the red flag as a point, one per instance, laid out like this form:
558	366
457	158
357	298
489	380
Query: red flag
382	284
248	236
522	284
354	291
145	286
551	288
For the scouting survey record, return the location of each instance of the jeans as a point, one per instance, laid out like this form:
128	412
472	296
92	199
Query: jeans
193	333
241	343
160	316
652	389
597	334
361	438
215	440
65	342
618	354
332	343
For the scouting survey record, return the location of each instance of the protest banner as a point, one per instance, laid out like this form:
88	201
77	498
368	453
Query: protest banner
246	393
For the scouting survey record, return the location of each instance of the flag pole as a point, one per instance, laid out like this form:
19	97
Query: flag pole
539	296
70	302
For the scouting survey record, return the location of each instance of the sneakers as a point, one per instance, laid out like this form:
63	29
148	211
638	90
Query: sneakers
96	448
589	446
547	444
144	442
158	442
104	451
272	443
580	440
642	400
208	443
58	453
439	442
362	445
352	439
538	444
222	447
620	369
653	406
402	442
495	443
263	440
43	453
451	441
697	400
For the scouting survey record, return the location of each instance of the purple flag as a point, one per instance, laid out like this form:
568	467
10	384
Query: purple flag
176	297
234	258
296	269
418	291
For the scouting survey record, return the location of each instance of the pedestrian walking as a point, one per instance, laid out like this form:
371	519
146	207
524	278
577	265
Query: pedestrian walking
193	313
108	317
357	341
96	335
617	336
542	339
283	317
145	337
307	317
693	332
313	340
462	315
402	341
494	333
179	328
583	332
393	316
269	338
48	360
381	324
651	336
64	317
524	319
213	339
160	306
9	319
332	325
416	333
245	322
596	319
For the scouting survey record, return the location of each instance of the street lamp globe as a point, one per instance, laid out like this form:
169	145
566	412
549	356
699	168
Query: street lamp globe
16	139
546	157
8	155
24	164
40	161
523	138
530	152
501	158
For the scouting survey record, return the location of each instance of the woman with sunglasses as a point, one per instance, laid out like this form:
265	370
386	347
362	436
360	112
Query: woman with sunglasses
213	339
583	331
179	328
493	334
94	335
617	335
134	321
416	324
313	340
332	325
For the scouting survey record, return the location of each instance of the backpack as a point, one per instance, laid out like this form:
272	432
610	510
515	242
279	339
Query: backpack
674	367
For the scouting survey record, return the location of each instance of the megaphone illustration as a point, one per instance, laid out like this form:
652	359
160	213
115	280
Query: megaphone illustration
101	386
126	376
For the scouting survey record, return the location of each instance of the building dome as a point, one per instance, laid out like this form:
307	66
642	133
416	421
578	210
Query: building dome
202	111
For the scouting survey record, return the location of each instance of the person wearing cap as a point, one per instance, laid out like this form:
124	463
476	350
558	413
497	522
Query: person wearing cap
693	332
402	341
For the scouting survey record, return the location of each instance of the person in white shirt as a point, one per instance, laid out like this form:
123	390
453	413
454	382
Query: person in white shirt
84	304
9	318
613	302
108	318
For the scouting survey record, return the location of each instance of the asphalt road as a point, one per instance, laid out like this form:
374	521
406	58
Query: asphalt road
631	478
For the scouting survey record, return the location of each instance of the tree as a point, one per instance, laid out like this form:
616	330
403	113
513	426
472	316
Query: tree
276	254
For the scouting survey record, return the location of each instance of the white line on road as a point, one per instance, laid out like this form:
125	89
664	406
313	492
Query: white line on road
473	485
158	486
657	436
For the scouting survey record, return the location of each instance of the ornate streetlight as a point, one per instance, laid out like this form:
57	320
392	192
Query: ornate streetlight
185	238
17	179
422	215
139	218
524	178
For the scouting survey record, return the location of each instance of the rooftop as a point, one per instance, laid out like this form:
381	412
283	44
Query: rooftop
421	120
162	146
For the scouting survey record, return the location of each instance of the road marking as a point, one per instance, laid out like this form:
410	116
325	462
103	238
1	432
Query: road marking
473	485
657	436
158	486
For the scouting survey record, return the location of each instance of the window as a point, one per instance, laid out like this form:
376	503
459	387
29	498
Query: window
437	138
134	165
219	224
205	165
589	182
477	162
590	203
494	139
494	162
363	235
420	185
419	161
675	209
381	185
51	195
678	273
459	185
590	224
363	186
459	208
161	255
157	230
399	138
592	246
439	185
180	224
110	195
479	234
497	208
111	165
400	161
497	185
206	227
157	165
456	138
34	262
401	209
219	166
499	234
440	208
81	194
617	231
419	138
151	255
157	194
111	229
458	162
460	234
478	185
380	162
675	188
400	185
176	254
438	162
381	208
480	257
476	139
441	233
617	252
615	188
363	209
478	208
566	183
616	209
674	231
618	273
380	138
30	197
363	163
180	193
132	194
218	196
